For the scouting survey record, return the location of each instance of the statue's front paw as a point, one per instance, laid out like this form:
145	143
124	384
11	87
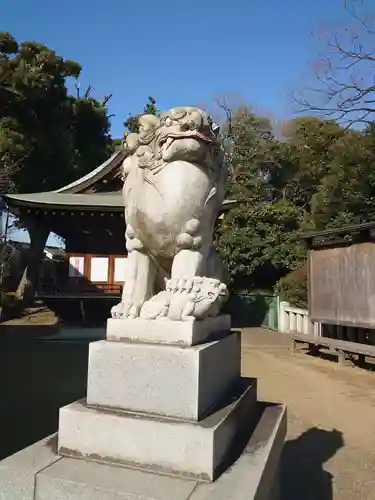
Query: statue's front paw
117	311
125	310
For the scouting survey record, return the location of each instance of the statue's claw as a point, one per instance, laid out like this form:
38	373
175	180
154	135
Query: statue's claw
125	310
117	311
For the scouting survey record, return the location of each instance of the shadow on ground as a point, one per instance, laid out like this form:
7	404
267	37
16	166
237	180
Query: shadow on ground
367	363
302	465
37	378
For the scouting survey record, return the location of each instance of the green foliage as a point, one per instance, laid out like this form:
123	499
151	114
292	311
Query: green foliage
316	175
246	138
117	144
91	140
307	142
257	242
346	193
332	175
257	238
293	287
131	124
8	44
47	137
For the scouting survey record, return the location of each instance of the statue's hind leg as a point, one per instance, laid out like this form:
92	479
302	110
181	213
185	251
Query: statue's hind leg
139	281
192	252
188	263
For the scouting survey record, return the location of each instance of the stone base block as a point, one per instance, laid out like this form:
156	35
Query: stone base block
253	474
193	449
181	382
168	332
17	472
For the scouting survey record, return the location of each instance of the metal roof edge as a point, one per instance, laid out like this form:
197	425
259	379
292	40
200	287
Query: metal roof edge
92	176
53	199
365	226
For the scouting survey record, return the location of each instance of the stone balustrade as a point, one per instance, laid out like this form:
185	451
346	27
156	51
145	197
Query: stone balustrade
296	320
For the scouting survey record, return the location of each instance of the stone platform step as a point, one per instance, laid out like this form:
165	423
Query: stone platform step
188	448
38	473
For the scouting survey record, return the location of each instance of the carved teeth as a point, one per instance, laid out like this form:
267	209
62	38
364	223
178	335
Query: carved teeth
167	143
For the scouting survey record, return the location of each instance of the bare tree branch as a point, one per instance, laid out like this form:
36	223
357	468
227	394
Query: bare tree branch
88	92
345	83
106	99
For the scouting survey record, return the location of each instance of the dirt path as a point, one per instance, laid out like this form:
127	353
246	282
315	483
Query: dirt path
330	452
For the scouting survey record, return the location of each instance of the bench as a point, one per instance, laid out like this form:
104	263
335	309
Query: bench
341	348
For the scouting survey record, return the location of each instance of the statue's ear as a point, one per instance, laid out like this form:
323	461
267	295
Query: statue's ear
215	128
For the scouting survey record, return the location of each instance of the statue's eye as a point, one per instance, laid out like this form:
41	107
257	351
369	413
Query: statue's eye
188	125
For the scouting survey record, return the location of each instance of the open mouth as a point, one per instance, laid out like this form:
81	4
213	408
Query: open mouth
166	141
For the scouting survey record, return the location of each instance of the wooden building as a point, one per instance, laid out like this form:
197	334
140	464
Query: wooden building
89	215
341	275
341	289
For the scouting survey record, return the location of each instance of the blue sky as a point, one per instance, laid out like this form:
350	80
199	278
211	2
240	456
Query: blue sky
182	53
179	52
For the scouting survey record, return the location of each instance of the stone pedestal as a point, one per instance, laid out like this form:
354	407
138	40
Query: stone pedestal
181	382
174	408
39	473
161	420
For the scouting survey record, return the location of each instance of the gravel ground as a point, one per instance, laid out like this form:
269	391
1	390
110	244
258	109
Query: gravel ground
330	448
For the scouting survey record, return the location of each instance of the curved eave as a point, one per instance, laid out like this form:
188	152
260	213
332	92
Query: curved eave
75	201
71	201
95	175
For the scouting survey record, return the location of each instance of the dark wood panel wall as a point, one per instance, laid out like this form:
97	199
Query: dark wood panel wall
342	284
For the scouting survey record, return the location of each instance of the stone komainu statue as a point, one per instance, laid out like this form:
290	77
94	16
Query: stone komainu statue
174	180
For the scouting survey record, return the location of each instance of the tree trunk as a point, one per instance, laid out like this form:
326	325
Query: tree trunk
29	280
